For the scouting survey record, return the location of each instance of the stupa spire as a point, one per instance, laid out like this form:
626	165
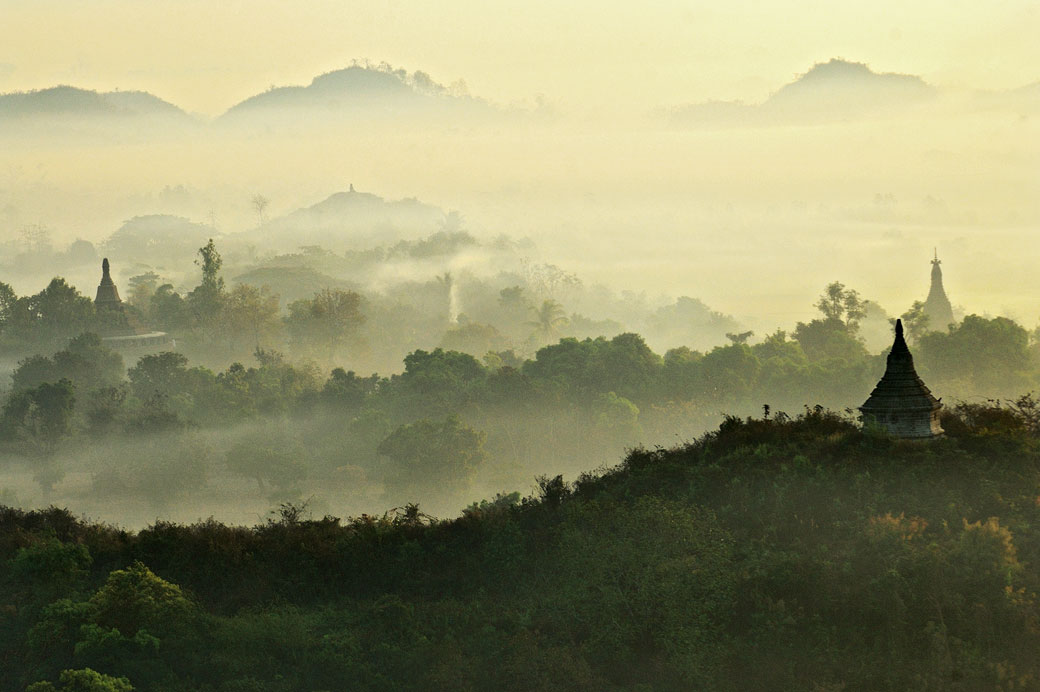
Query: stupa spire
901	403
107	293
937	306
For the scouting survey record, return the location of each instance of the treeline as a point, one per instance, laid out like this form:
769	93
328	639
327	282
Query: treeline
449	419
290	304
773	554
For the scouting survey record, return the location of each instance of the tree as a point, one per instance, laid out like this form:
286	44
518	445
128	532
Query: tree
836	335
428	453
915	321
7	301
548	320
207	299
83	680
42	414
260	203
136	598
326	320
86	362
168	310
142	288
252	313
269	457
89	363
158	373
51	316
345	390
40	418
473	337
439	381
826	339
840	303
50	568
978	357
741	338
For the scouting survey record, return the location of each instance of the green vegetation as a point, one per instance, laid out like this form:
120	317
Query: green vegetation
771	554
285	420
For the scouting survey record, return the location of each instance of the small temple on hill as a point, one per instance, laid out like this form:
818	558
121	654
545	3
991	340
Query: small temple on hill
937	306
122	330
901	403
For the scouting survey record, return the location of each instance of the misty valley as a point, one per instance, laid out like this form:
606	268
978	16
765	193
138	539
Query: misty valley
672	377
398	380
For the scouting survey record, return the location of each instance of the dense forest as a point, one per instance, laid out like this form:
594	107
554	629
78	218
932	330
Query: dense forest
774	553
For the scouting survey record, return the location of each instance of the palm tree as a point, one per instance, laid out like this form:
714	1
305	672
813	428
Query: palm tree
548	319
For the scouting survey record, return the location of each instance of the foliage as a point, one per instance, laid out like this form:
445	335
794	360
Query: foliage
325	321
83	680
774	553
426	452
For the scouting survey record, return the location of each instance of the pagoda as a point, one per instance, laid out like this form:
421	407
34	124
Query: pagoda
937	306
120	328
107	293
901	403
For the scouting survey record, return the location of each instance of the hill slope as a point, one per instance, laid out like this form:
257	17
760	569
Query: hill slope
772	554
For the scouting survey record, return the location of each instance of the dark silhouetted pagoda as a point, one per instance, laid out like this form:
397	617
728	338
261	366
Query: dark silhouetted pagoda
901	403
107	294
121	329
937	306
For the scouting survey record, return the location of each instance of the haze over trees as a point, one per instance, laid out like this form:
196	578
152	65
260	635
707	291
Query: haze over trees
256	404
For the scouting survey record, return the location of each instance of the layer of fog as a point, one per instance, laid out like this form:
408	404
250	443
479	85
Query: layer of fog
753	221
676	212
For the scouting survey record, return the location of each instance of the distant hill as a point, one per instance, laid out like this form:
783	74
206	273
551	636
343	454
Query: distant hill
349	219
72	101
358	90
842	83
291	283
161	241
837	89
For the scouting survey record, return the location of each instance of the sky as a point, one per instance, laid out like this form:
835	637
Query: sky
582	56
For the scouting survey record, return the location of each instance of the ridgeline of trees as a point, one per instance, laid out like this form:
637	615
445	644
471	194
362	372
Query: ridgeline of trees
770	554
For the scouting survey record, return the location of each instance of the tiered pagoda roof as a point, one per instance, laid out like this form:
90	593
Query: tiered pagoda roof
901	402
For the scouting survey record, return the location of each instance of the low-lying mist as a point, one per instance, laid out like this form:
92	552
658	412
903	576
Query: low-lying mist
496	232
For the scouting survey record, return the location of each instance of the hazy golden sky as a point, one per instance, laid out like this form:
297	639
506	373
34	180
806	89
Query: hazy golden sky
205	55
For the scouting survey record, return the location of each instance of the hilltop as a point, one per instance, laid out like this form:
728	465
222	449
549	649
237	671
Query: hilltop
360	90
836	89
771	554
838	78
346	219
72	101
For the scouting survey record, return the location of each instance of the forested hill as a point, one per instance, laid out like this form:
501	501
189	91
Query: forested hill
771	554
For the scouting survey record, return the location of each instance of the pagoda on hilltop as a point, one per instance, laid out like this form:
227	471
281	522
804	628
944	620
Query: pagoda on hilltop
901	403
937	306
